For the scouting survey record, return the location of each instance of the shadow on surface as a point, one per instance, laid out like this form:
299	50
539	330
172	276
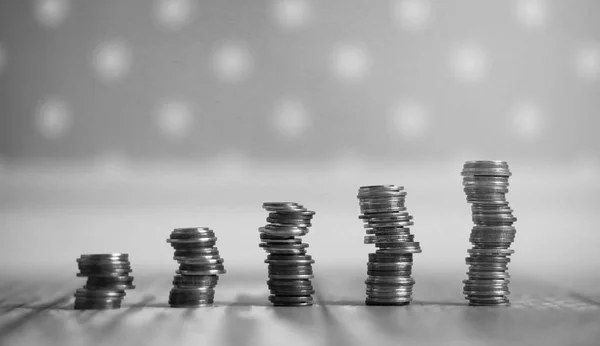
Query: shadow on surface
249	300
438	303
584	299
246	331
340	303
53	305
335	333
57	304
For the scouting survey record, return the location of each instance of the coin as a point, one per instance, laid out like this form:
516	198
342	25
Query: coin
107	279
199	266
386	220
485	184
289	267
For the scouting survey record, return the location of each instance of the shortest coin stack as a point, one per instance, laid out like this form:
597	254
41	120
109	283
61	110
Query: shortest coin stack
107	279
290	267
199	267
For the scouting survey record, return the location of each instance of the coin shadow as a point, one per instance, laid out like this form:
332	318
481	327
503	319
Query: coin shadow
437	303
249	300
584	299
163	304
239	314
35	310
336	332
117	321
325	303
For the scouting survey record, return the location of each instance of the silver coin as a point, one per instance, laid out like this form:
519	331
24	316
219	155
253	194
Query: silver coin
491	251
488	275
291	276
98	293
203	272
290	262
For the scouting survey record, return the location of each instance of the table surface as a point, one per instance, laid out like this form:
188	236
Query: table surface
41	312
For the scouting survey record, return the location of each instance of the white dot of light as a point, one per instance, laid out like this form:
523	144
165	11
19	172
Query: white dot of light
291	119
173	14
350	61
3	57
527	120
175	118
291	14
51	13
412	14
469	63
410	119
112	60
53	118
532	13
232	62
587	61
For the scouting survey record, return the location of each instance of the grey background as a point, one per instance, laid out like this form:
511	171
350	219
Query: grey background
120	120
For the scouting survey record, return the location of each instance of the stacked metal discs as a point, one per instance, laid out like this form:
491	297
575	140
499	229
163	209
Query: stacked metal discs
199	267
486	185
389	269
107	279
290	268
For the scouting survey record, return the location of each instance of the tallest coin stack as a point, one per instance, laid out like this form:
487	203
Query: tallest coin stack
486	184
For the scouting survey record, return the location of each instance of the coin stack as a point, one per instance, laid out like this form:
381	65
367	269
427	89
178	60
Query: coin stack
199	267
389	280
290	268
107	279
486	184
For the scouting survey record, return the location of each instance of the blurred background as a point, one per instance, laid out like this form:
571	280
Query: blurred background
123	119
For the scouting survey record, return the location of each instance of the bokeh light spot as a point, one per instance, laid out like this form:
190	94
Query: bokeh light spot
232	62
412	14
410	119
532	13
53	118
527	120
51	13
469	63
350	61
291	14
173	15
587	61
112	60
175	118
291	119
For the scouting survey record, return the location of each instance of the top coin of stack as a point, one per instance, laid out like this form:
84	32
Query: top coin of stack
107	279
199	267
290	267
486	185
389	269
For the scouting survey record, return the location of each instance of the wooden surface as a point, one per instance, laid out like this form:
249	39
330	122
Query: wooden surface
40	312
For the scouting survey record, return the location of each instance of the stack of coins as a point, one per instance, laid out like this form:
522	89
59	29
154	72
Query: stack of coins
290	268
486	184
107	279
389	280
199	267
